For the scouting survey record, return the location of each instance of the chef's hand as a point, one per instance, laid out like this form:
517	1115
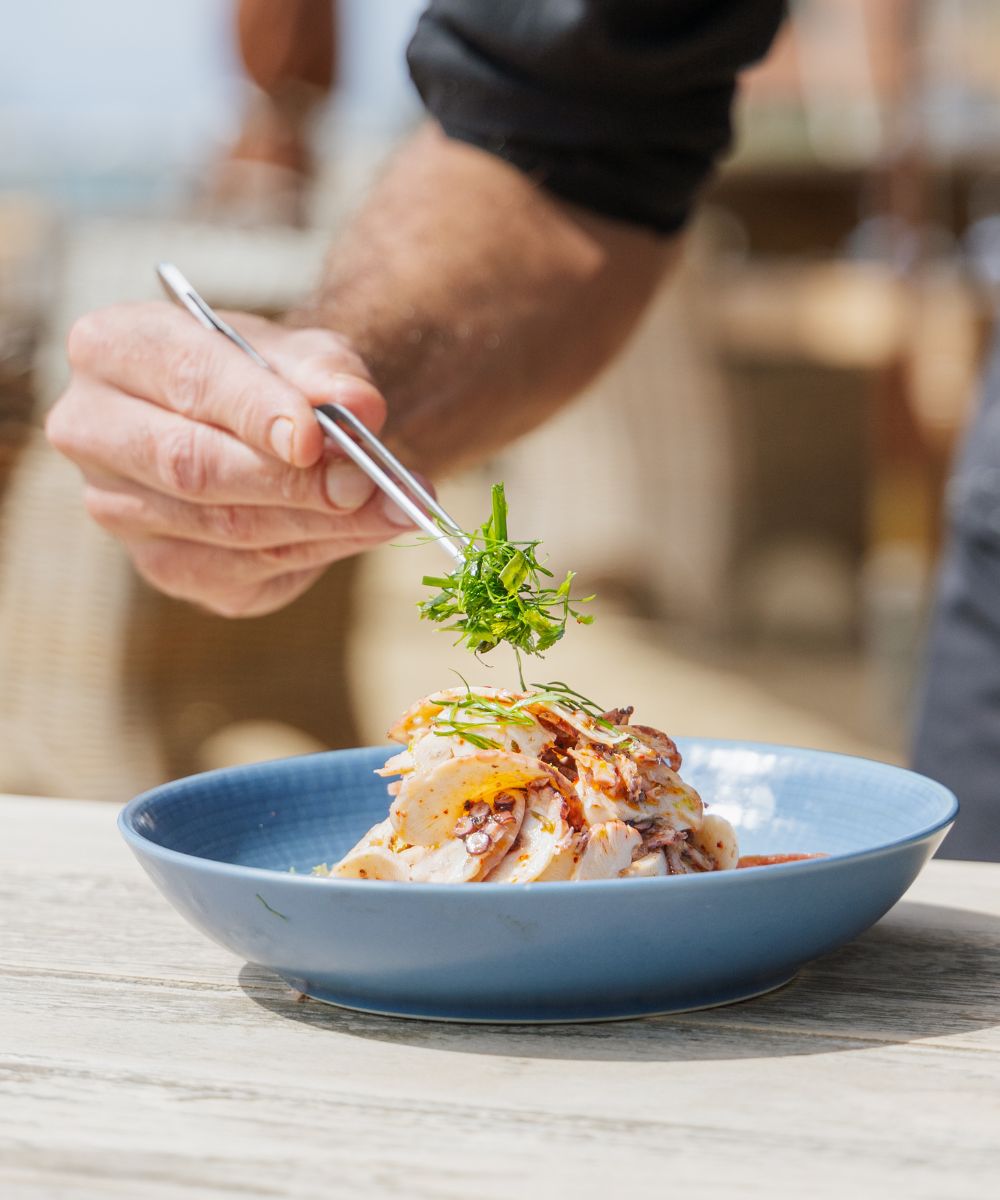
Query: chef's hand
212	471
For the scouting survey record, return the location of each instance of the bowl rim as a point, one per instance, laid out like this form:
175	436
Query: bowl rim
142	845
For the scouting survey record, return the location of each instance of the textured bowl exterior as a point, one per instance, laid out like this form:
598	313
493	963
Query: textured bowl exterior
222	847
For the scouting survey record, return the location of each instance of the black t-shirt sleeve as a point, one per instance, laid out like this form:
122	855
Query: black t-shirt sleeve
622	106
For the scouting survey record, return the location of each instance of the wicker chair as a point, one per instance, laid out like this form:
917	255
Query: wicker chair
107	686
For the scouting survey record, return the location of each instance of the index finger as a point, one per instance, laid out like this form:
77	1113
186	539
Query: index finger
157	353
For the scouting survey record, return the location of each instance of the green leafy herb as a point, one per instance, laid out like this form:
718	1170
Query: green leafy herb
498	592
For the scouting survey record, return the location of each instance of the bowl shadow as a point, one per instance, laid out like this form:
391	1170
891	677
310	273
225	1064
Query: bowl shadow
925	971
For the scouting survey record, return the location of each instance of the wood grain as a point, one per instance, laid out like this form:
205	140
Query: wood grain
139	1060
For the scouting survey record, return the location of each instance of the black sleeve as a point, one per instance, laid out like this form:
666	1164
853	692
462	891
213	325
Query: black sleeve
622	106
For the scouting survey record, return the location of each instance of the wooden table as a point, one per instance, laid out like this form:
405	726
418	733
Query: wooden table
139	1060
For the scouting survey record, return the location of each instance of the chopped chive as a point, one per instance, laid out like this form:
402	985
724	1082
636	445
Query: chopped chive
465	716
269	908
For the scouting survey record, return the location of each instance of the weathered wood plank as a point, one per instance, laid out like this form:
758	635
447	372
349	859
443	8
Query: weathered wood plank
137	1059
267	1118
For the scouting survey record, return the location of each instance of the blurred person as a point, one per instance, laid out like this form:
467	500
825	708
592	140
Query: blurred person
498	265
957	729
289	52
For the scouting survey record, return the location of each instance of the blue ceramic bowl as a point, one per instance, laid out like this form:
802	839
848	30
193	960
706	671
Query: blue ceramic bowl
222	848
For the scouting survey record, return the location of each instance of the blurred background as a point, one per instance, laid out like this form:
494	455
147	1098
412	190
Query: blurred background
754	489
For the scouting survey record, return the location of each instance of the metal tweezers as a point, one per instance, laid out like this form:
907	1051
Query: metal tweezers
341	426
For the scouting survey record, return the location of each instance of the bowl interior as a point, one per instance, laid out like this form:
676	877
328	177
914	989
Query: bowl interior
784	800
291	814
296	813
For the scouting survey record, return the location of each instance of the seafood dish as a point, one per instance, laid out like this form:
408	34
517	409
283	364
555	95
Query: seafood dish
530	786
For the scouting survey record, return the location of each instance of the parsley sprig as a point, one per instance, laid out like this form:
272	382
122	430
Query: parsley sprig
498	592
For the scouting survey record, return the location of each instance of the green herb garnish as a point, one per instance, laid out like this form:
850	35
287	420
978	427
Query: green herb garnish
271	910
471	713
557	692
498	592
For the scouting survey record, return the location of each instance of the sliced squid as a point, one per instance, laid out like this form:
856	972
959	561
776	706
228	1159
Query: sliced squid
564	859
430	804
397	764
483	837
427	745
656	740
561	797
667	796
427	750
529	740
572	810
608	851
578	723
612	787
374	857
491	840
543	831
371	864
717	839
599	785
419	716
647	867
678	863
447	863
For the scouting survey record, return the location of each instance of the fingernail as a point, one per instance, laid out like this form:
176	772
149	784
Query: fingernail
282	432
394	514
347	488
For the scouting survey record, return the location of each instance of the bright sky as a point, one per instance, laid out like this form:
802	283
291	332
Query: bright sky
91	82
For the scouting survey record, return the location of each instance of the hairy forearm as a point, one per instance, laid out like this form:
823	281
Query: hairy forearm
479	302
464	300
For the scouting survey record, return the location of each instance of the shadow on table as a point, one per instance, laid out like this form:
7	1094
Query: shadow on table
925	971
